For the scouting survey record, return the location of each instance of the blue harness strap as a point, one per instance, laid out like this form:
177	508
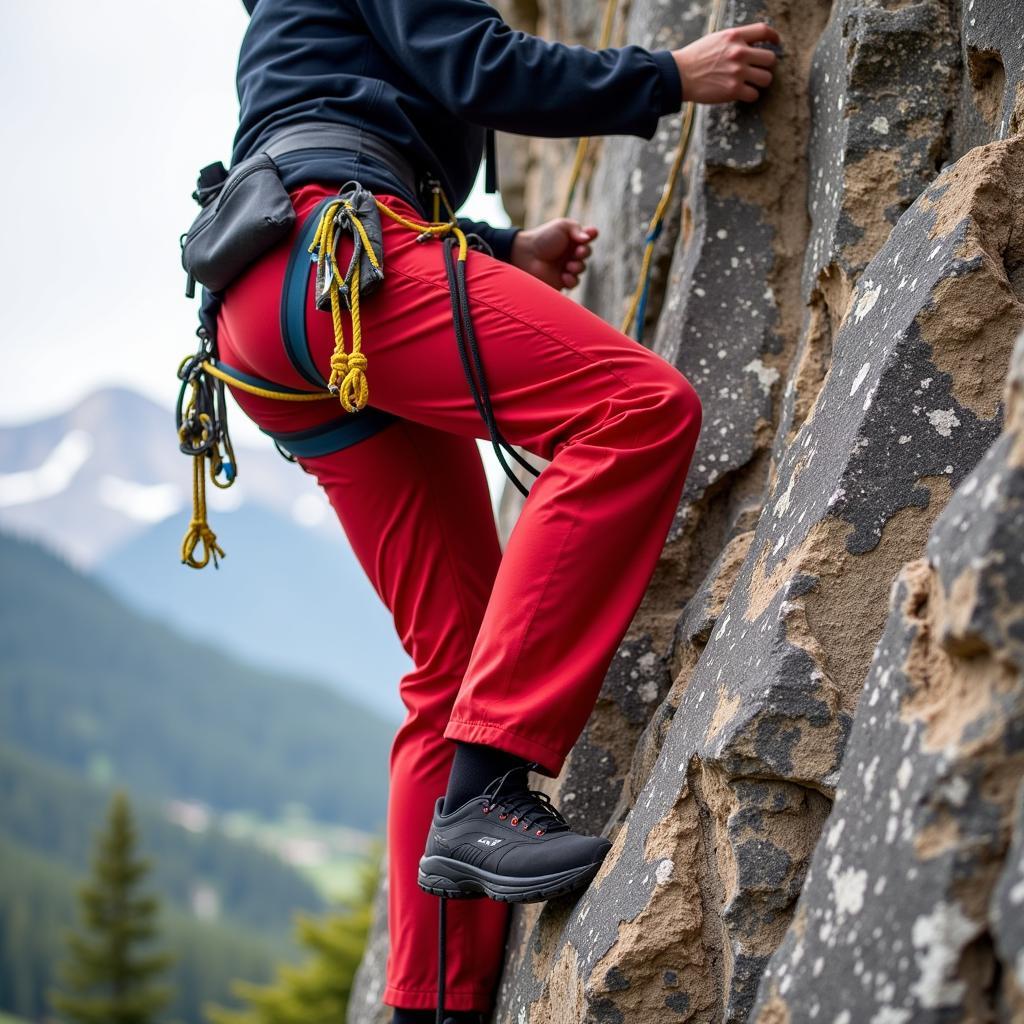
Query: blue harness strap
333	436
293	300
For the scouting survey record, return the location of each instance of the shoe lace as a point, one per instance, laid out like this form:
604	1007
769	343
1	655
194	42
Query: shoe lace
532	806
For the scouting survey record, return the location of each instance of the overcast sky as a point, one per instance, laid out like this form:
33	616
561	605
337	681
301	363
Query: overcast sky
108	110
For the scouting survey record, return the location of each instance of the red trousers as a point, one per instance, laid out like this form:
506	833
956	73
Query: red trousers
509	650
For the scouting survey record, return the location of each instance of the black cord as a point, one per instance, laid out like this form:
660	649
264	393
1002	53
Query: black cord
441	957
208	400
465	339
460	270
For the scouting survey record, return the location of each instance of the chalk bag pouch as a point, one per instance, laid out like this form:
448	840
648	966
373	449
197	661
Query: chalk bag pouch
244	213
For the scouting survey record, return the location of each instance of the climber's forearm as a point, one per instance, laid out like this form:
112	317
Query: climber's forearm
726	66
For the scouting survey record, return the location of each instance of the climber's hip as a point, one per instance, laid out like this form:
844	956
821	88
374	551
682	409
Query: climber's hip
552	366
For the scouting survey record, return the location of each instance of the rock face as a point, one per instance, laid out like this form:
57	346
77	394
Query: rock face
841	277
365	1006
913	909
1006	915
743	781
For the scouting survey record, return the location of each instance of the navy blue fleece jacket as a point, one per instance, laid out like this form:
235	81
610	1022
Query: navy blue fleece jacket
430	76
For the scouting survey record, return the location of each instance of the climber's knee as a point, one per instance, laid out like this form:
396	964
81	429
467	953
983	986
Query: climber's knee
678	408
688	405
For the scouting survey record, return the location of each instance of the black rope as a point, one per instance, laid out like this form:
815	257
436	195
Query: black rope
441	957
472	365
460	271
202	395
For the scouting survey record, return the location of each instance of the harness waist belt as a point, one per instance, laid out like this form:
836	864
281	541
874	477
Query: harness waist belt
329	135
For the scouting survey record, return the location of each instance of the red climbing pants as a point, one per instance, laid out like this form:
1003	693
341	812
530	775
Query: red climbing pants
509	649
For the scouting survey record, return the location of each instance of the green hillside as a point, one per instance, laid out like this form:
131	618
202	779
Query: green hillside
89	684
45	809
37	904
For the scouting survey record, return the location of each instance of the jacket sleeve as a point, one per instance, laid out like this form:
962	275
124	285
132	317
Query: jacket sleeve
489	74
499	239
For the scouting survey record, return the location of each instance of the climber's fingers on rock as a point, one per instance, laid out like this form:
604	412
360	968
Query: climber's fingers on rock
758	32
747	93
759	56
582	252
759	77
569	280
575	266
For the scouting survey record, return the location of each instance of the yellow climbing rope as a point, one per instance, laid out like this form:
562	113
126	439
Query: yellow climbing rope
254	389
657	220
638	300
199	532
607	24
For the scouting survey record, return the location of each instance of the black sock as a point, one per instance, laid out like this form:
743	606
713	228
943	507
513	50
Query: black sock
413	1016
474	766
430	1016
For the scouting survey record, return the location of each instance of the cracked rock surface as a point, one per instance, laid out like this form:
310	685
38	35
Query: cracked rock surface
914	903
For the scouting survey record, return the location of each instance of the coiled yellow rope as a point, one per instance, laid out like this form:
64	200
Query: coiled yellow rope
348	369
199	535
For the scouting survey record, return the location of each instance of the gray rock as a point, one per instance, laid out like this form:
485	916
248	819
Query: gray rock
851	381
1006	914
626	178
364	1005
897	917
991	101
870	156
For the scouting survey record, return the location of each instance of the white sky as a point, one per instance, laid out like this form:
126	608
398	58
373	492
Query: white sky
108	110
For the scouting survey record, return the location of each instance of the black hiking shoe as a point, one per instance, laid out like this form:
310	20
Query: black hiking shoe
508	843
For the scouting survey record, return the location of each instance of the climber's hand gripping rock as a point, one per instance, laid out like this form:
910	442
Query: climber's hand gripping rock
728	65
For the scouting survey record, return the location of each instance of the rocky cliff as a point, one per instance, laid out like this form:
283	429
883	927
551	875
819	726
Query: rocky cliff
809	748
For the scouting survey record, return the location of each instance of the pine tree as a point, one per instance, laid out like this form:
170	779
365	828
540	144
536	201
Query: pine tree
317	991
110	973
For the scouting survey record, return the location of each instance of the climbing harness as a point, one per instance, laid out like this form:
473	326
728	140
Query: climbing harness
635	312
201	416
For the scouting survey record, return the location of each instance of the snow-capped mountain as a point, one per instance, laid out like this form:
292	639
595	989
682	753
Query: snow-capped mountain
87	481
105	486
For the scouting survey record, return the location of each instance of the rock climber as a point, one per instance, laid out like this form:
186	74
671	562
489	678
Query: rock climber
509	650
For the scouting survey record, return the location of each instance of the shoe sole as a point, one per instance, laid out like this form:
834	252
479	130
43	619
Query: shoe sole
457	880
